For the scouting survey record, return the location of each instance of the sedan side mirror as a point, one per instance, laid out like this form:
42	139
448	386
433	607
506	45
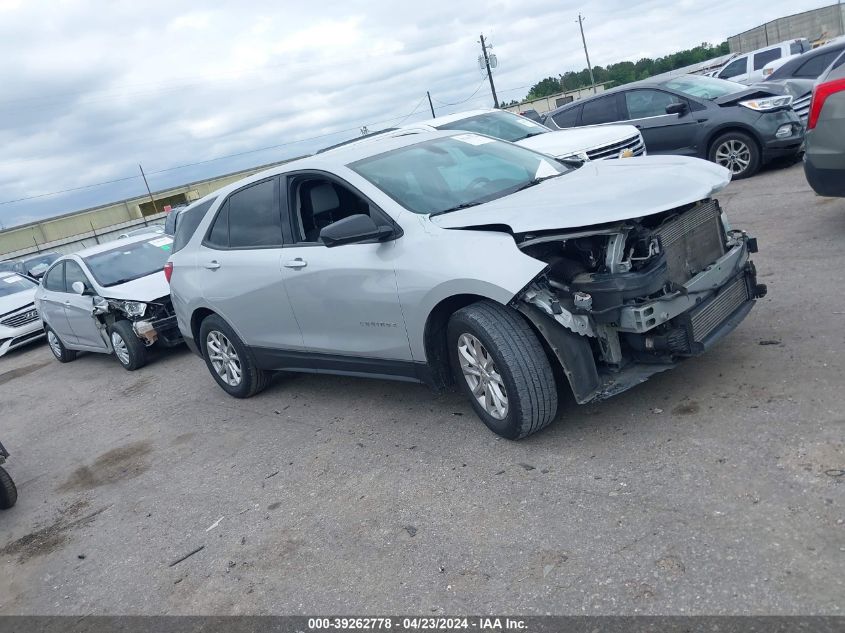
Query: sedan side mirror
676	108
354	229
78	287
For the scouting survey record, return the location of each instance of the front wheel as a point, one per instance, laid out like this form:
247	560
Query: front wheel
8	491
229	360
128	348
502	368
737	152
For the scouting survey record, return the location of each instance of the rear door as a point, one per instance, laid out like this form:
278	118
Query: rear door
240	268
602	110
79	309
663	133
53	303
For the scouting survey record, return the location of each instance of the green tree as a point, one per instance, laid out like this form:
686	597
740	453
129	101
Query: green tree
544	88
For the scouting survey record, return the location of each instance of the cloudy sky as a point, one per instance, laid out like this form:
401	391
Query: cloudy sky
92	88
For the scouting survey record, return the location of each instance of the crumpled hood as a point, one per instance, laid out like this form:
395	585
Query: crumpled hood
146	288
596	193
20	299
579	139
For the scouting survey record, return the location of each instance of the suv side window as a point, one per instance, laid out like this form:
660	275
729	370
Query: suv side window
249	218
812	68
74	273
735	68
55	278
190	220
317	202
601	110
642	104
568	117
761	59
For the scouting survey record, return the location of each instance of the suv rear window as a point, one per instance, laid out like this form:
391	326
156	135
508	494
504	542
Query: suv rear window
190	220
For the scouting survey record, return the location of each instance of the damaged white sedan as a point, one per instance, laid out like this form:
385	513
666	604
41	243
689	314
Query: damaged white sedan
112	298
457	258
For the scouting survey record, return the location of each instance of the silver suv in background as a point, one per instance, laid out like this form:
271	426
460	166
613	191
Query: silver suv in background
453	257
824	155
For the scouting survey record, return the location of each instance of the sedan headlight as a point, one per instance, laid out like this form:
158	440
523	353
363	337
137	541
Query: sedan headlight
131	308
768	103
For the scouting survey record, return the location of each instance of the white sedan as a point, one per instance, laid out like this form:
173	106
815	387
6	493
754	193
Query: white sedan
19	320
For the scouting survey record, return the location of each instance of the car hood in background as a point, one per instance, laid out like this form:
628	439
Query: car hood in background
574	140
147	288
17	300
596	193
755	91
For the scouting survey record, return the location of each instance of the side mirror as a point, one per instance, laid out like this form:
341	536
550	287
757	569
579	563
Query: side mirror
676	108
78	287
352	230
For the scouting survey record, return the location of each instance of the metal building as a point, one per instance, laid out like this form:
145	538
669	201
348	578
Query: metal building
818	24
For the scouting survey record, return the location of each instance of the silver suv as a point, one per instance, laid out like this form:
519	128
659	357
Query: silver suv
453	257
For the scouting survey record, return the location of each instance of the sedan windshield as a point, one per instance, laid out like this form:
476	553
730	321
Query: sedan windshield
13	284
130	261
704	87
455	172
502	125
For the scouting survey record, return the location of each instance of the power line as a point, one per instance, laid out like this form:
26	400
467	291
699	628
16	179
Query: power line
211	160
474	92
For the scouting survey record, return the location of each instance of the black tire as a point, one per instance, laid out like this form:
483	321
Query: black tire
8	491
723	143
518	358
135	348
54	342
252	379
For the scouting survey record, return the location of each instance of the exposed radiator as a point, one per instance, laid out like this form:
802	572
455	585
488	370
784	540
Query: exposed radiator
708	317
692	241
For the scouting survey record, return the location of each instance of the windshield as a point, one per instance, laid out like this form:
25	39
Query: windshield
445	174
13	284
130	261
704	87
502	125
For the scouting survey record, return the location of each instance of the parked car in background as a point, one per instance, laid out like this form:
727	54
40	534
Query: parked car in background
172	220
36	265
8	266
824	156
19	320
152	229
748	67
112	298
8	491
450	256
736	126
616	141
532	114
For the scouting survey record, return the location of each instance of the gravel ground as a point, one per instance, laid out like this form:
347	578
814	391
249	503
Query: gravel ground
715	488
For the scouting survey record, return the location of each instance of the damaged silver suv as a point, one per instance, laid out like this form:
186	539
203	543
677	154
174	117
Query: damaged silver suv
456	258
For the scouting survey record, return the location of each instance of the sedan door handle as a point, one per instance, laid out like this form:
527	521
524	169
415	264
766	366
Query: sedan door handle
212	265
296	263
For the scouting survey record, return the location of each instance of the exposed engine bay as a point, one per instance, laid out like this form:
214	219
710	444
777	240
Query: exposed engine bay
640	294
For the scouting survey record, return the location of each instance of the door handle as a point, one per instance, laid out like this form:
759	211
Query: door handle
212	265
296	263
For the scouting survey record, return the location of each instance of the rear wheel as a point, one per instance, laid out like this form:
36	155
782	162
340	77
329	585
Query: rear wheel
128	348
62	354
229	361
8	491
737	152
502	368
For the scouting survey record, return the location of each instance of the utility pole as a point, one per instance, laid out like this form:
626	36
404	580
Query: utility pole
489	73
590	68
430	104
144	176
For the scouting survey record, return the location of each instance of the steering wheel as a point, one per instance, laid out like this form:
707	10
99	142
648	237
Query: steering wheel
478	182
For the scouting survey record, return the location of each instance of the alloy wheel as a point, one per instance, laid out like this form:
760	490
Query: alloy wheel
484	380
735	155
55	344
120	348
224	358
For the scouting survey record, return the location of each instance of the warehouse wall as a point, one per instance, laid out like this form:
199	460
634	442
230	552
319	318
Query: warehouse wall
825	22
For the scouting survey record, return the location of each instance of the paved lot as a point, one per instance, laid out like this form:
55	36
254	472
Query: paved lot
710	489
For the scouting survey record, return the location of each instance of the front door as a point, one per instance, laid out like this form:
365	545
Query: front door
345	298
79	309
663	133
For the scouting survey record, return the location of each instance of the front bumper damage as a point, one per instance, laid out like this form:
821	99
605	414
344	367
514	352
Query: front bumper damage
157	324
634	324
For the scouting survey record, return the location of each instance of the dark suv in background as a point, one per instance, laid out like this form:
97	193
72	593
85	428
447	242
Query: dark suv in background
737	126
